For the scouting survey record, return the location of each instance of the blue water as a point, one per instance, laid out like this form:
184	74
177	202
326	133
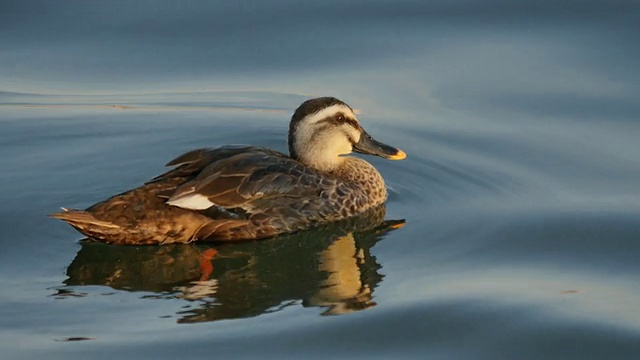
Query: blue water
521	190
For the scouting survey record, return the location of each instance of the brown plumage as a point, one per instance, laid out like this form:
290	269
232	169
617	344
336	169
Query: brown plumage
244	192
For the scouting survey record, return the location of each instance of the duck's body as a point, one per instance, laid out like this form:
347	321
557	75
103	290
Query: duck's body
242	192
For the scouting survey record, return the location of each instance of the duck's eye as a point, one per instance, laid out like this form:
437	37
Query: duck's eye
340	118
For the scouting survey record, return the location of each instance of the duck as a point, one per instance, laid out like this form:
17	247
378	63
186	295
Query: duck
241	192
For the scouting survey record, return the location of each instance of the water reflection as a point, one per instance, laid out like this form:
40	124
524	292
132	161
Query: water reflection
331	267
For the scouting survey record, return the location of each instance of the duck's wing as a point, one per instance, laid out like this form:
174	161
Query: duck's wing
193	162
237	178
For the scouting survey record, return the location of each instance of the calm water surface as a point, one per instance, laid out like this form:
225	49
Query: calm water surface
520	193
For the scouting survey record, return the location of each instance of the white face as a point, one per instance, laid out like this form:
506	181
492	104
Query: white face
321	138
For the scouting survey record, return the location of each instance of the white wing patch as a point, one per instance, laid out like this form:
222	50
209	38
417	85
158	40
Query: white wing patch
191	202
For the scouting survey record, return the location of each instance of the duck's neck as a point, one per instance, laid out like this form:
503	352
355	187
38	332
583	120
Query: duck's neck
322	161
363	175
366	180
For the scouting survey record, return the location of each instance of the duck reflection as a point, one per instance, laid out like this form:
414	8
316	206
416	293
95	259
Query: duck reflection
329	267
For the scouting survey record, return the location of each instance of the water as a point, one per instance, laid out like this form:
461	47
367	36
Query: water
520	191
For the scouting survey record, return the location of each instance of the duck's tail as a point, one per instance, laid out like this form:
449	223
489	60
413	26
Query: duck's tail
183	227
87	224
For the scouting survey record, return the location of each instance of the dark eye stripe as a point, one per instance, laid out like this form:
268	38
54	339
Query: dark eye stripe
352	123
345	120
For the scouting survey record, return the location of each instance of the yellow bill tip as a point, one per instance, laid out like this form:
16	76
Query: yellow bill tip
400	155
397	226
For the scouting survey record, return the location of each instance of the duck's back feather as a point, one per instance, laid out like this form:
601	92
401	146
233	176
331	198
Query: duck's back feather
243	176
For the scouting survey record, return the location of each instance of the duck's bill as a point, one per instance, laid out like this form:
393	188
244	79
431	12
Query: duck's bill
371	146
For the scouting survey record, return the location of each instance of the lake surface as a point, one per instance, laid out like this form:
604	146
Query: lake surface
521	190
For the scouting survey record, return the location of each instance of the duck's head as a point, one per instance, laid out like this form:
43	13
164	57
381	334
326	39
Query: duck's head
323	130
